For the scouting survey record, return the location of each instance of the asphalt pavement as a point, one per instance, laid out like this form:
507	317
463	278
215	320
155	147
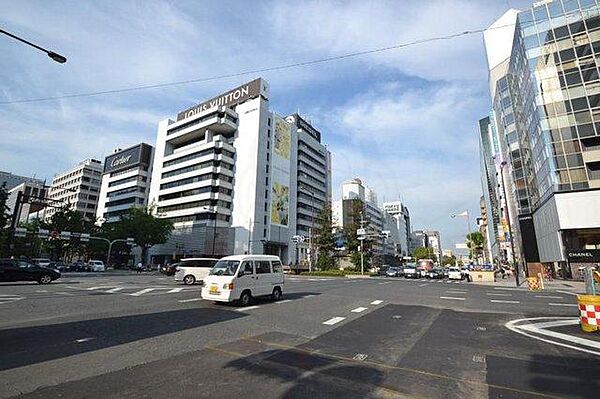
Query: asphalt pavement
127	335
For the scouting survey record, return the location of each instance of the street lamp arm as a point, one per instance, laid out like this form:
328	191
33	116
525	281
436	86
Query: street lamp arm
55	56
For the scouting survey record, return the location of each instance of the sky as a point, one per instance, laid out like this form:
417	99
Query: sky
404	120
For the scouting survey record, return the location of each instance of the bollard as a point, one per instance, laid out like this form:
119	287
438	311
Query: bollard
533	283
589	312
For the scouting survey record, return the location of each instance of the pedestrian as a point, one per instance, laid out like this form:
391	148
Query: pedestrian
139	267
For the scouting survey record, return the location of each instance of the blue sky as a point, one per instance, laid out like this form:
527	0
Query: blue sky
404	120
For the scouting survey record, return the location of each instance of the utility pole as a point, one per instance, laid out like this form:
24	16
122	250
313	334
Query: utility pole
362	258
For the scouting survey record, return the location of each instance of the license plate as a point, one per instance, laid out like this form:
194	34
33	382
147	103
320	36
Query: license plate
214	289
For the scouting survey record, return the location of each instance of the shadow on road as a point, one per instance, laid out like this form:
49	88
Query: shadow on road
574	377
310	375
29	345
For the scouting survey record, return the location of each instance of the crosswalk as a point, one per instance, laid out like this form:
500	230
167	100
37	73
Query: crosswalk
133	290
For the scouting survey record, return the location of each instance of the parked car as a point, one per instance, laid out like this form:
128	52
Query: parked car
435	273
96	266
21	270
394	272
58	265
169	269
78	267
45	262
383	270
242	277
194	270
410	271
454	273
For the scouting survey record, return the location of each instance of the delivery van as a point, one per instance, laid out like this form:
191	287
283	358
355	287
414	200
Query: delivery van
243	277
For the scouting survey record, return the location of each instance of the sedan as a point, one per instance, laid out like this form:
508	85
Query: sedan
454	273
435	274
394	272
20	270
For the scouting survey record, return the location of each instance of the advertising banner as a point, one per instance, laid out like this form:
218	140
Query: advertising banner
280	177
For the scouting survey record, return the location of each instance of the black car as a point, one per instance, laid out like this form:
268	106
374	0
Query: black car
169	270
394	272
22	270
435	273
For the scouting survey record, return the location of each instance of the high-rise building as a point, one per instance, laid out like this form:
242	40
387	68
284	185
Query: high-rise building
547	105
14	180
228	172
125	181
418	238
32	193
78	188
402	217
434	242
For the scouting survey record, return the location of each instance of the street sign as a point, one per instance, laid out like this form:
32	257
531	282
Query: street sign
42	233
84	237
361	232
20	231
461	245
361	238
130	241
65	235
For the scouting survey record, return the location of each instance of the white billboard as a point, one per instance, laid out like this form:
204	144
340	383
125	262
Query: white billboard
280	176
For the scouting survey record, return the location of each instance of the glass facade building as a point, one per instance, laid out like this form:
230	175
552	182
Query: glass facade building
547	106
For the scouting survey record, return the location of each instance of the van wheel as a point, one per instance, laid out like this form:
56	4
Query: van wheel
276	295
245	298
45	279
189	279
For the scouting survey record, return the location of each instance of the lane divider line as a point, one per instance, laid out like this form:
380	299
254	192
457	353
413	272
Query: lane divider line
453	297
175	290
142	292
497	294
189	300
549	296
334	320
502	301
248	308
376	302
563	304
358	310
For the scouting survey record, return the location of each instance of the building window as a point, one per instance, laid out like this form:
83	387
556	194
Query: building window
266	206
267	168
265	233
266	194
265	218
269	121
267	180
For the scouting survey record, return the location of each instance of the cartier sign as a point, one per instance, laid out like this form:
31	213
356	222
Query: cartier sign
232	97
128	158
123	159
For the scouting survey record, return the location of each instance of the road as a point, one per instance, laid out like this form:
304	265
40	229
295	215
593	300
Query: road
98	336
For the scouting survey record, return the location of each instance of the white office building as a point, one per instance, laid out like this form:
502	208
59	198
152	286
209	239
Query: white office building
25	199
226	173
78	188
125	182
402	218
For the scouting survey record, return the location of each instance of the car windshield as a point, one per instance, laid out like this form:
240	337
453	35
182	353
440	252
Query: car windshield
225	268
453	269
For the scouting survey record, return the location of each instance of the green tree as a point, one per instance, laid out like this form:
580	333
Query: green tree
424	253
4	221
141	225
475	243
67	219
324	239
352	242
448	260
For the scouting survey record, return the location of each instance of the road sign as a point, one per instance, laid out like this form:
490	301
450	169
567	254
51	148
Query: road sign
361	238
65	235
130	241
42	233
361	232
461	245
84	237
20	231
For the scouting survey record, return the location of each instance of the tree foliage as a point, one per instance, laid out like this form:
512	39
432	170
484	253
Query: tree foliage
324	239
352	242
4	220
475	243
448	260
424	253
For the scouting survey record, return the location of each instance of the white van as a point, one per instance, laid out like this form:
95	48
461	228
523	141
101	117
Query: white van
192	270
96	265
241	277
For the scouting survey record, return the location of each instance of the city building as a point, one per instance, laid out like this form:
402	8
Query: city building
402	217
434	242
125	182
229	173
546	100
32	195
418	238
353	192
77	188
12	181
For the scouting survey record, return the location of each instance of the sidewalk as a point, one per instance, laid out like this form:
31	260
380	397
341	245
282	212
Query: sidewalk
555	285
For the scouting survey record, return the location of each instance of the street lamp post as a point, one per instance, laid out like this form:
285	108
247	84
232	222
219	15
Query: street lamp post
312	222
465	213
512	243
110	244
55	56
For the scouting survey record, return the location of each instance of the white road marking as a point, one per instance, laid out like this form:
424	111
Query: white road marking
479	358
452	291
248	308
284	301
480	328
175	290
423	285
377	302
567	292
385	282
80	340
549	296
497	294
539	328
563	304
115	289
452	297
333	321
502	301
100	287
360	357
507	289
189	300
64	293
142	292
41	291
309	295
358	310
